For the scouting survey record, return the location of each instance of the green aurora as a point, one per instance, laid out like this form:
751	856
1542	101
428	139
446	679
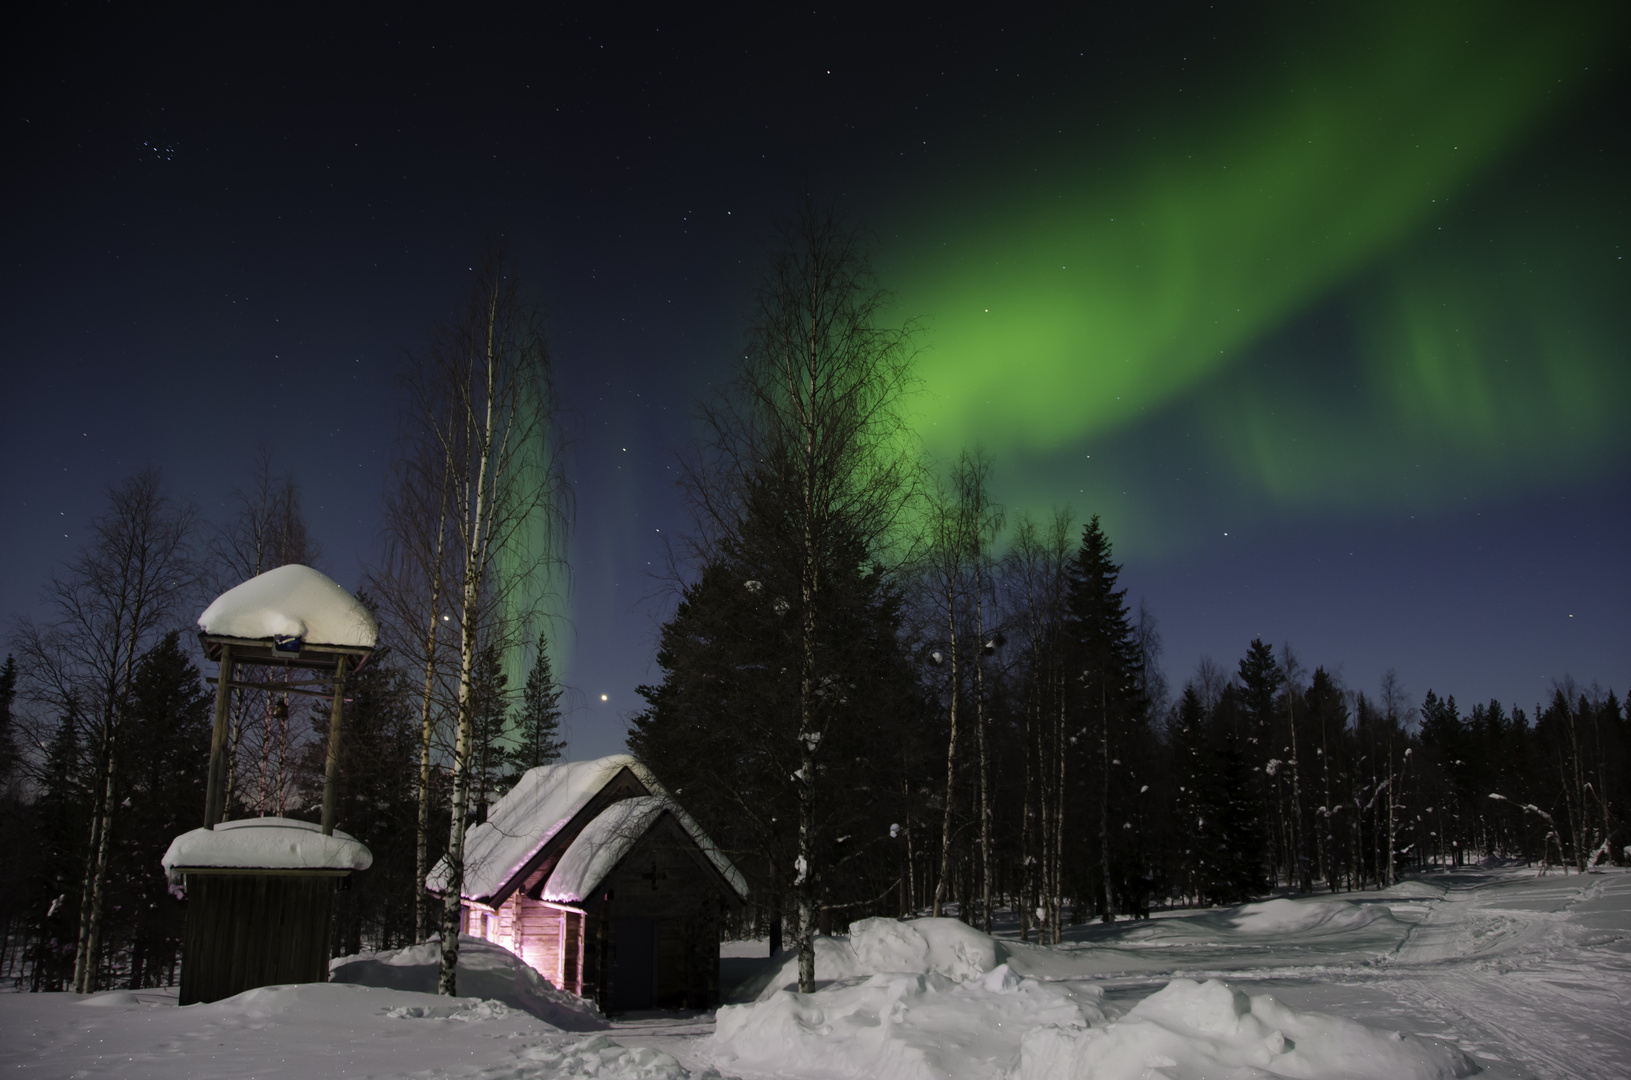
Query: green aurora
1376	269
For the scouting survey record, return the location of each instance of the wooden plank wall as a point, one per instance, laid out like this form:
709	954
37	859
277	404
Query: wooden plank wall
249	930
664	877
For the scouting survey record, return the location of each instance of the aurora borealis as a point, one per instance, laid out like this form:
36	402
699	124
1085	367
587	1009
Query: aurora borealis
1348	286
1360	174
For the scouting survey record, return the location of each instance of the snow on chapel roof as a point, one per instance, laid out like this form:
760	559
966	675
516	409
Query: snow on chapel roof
291	601
605	840
541	804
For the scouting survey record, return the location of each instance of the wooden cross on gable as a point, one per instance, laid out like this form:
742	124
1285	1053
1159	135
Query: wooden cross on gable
654	876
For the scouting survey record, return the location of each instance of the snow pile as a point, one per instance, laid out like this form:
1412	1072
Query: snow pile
944	946
903	1026
597	850
601	1058
291	602
886	946
920	999
487	972
1307	916
1190	1030
113	999
267	843
460	1010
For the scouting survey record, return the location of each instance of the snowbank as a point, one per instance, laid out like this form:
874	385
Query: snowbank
902	1026
944	946
934	999
1307	916
291	602
886	946
920	999
267	843
1195	1030
486	971
303	1031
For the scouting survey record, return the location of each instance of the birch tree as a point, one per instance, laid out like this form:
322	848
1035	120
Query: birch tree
410	584
481	400
107	607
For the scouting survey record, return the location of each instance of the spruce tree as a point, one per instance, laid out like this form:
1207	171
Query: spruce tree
1260	678
1192	768
538	726
489	711
165	746
378	799
59	816
1233	830
723	729
1106	658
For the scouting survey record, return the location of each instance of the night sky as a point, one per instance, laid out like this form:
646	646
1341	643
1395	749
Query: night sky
1325	315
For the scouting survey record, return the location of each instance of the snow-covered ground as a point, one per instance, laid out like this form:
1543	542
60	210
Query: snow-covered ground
1498	972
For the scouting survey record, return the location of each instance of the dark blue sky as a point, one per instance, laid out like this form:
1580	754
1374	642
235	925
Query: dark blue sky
229	230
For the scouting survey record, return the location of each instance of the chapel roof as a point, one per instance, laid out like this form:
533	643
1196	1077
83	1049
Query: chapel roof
545	801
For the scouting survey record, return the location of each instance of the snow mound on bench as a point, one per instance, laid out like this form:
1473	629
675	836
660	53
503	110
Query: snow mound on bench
1190	1030
1284	916
486	971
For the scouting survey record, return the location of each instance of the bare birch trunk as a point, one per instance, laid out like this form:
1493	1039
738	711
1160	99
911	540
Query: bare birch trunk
951	765
421	864
475	564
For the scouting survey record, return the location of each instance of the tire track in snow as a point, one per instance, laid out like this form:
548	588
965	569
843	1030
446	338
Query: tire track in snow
1528	978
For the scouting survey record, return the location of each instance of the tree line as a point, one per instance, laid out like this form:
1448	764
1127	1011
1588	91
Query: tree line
879	693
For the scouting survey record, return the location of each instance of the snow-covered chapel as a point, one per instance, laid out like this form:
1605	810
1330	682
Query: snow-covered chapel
594	875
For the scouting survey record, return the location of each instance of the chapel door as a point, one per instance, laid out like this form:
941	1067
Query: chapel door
634	964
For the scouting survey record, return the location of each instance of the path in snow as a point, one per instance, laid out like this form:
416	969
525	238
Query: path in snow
1540	968
1531	975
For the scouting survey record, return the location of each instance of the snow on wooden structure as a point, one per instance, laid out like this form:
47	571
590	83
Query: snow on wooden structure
289	617
260	892
594	875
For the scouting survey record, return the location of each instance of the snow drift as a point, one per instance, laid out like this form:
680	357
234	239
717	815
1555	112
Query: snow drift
1284	916
886	946
1190	1030
933	999
920	999
486	971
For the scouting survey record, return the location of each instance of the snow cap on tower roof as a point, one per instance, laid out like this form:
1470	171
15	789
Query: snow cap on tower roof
291	601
